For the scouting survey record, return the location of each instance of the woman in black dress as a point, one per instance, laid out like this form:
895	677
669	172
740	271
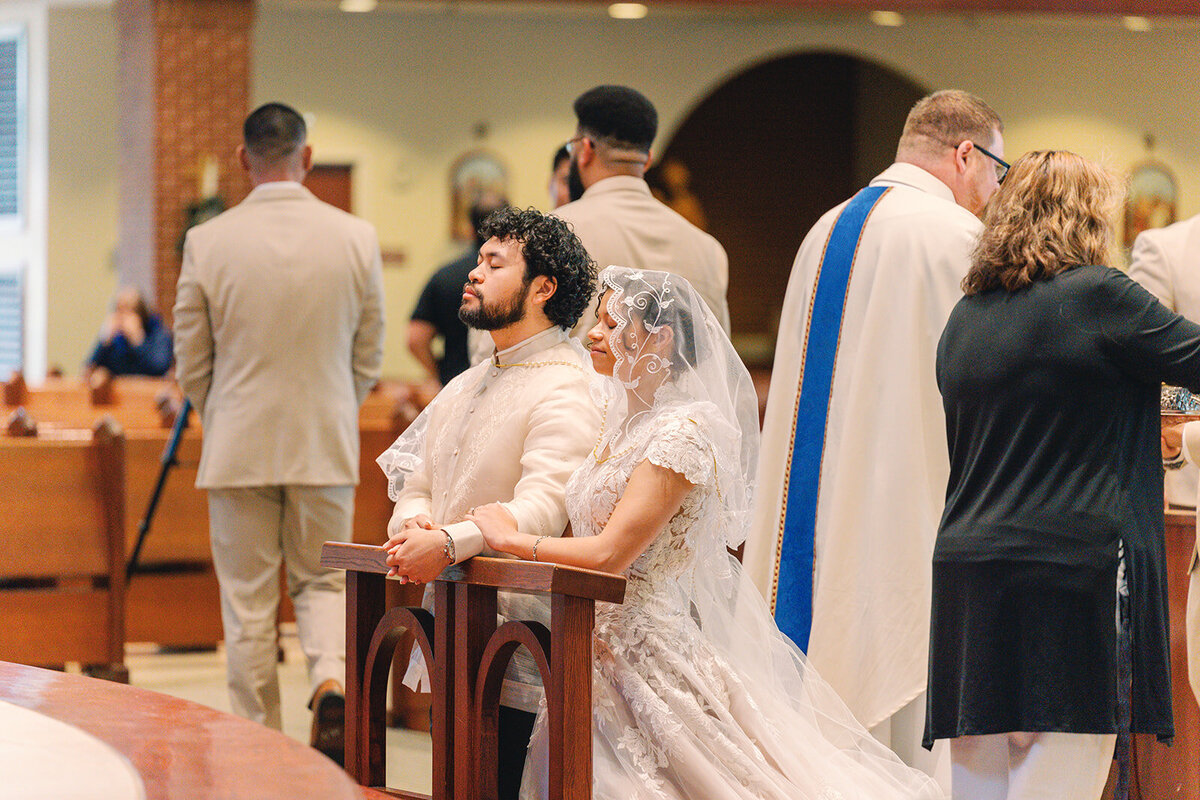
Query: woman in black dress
1050	370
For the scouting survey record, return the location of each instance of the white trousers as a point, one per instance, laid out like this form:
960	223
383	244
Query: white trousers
1031	766
254	529
902	733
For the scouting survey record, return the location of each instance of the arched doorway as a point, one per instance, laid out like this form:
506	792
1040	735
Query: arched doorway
768	152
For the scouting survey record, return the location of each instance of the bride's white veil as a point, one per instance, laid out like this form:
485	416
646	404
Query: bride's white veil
698	369
701	375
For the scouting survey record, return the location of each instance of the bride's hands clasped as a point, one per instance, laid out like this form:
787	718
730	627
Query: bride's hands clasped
497	525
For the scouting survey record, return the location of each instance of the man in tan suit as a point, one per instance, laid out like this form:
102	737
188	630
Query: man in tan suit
278	338
614	214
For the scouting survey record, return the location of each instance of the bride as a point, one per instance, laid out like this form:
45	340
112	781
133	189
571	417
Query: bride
696	693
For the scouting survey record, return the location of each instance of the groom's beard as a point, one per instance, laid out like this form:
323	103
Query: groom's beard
493	317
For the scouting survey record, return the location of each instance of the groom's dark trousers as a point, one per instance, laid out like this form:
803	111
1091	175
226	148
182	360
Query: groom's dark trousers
515	728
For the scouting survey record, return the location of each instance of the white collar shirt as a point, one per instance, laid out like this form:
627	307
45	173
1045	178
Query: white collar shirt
510	430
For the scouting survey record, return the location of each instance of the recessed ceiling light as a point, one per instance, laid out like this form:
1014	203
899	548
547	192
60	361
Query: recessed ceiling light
888	19
1136	24
357	6
627	10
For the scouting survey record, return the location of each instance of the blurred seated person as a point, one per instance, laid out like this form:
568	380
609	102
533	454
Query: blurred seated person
133	341
436	313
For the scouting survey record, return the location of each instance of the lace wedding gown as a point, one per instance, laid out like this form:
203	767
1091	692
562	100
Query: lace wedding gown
695	692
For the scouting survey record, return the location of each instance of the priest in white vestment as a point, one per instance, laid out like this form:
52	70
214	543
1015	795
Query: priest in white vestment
876	485
509	430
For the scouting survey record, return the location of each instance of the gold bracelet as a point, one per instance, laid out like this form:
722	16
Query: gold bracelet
535	544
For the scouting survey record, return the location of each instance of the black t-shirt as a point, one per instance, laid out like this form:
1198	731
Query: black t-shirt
438	305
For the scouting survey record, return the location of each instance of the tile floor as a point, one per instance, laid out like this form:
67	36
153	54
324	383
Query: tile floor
200	677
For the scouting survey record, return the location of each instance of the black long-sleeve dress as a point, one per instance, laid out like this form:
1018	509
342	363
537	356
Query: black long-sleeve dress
1052	414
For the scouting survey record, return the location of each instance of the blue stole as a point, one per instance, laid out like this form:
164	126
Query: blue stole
794	589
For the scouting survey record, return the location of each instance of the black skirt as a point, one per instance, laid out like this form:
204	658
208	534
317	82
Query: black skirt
1021	646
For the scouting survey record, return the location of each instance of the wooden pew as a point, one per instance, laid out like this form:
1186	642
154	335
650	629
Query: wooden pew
62	402
62	566
467	654
174	600
173	597
176	580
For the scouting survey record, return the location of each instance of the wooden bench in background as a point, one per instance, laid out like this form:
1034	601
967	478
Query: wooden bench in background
173	599
62	573
468	654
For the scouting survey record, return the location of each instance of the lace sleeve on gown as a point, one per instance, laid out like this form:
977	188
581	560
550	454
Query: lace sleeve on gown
680	443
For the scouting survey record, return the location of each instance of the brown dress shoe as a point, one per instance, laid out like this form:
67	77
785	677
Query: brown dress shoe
328	705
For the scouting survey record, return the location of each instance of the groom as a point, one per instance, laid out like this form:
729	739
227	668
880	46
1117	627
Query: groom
511	430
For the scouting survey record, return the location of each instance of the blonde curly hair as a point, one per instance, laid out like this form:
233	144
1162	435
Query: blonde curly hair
1053	212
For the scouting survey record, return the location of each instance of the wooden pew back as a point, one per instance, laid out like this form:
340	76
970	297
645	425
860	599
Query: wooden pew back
173	599
67	403
57	474
62	568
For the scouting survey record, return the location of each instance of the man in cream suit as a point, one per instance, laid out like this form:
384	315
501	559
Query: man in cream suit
614	214
1167	262
511	430
278	338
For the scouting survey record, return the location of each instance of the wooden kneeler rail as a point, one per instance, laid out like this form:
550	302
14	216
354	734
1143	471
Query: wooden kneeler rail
467	655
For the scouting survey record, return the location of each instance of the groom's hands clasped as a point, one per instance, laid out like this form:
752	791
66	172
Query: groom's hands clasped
415	549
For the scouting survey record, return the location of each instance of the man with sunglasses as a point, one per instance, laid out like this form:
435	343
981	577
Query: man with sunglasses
854	462
612	211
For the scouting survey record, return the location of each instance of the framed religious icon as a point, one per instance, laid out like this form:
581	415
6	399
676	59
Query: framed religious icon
474	175
1153	198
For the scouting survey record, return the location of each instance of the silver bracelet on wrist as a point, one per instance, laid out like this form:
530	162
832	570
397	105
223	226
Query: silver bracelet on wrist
448	548
535	545
1176	462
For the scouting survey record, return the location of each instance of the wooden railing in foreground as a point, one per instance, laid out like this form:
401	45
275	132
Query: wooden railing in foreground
468	654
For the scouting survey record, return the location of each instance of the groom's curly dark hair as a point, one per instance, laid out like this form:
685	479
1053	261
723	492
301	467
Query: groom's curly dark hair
550	248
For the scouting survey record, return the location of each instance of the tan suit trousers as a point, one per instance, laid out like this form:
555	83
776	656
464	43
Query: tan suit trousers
253	530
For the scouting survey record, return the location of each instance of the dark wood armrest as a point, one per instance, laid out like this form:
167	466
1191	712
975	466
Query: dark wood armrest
466	654
499	573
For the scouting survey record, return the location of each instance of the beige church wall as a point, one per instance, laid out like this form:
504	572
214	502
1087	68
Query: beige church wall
82	187
401	94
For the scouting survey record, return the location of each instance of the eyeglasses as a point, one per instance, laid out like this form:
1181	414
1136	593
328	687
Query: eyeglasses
1001	165
570	144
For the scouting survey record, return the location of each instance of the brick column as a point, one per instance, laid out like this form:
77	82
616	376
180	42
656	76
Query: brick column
184	92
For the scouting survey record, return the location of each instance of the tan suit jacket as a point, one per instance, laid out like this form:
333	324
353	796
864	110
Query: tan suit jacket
278	338
620	222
